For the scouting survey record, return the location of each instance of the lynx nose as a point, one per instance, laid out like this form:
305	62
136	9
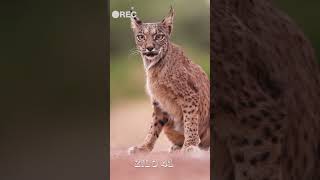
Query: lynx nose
150	48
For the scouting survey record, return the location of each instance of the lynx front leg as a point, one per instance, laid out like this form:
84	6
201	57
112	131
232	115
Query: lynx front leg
191	125
159	119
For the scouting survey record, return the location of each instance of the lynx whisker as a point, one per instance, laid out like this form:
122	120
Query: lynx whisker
134	51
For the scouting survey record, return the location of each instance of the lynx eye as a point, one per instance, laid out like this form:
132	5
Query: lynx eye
140	37
159	37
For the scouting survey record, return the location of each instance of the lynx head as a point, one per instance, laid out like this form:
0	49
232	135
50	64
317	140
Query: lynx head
152	39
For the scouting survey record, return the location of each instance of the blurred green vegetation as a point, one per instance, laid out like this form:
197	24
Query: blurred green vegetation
191	31
306	14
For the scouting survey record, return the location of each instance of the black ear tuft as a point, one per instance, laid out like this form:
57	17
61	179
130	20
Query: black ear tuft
168	21
138	21
135	22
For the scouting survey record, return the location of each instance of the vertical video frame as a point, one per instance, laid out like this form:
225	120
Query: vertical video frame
159	90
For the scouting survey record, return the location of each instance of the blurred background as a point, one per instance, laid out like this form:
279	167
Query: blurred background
306	14
191	29
53	69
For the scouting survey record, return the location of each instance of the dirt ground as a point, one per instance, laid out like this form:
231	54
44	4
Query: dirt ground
129	123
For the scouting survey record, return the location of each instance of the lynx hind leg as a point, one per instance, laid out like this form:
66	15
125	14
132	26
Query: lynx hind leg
175	137
159	119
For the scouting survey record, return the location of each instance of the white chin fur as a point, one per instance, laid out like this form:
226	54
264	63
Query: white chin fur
149	65
150	61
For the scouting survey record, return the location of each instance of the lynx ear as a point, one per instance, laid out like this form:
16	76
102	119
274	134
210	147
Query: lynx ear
168	21
135	22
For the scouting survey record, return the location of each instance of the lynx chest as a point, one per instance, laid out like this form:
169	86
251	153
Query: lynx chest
163	93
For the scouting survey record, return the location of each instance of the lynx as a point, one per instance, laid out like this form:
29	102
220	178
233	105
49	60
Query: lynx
178	89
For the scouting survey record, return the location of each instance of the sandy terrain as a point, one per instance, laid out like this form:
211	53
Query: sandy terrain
133	119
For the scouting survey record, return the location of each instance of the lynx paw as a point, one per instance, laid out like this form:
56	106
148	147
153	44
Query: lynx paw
138	150
191	149
174	148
